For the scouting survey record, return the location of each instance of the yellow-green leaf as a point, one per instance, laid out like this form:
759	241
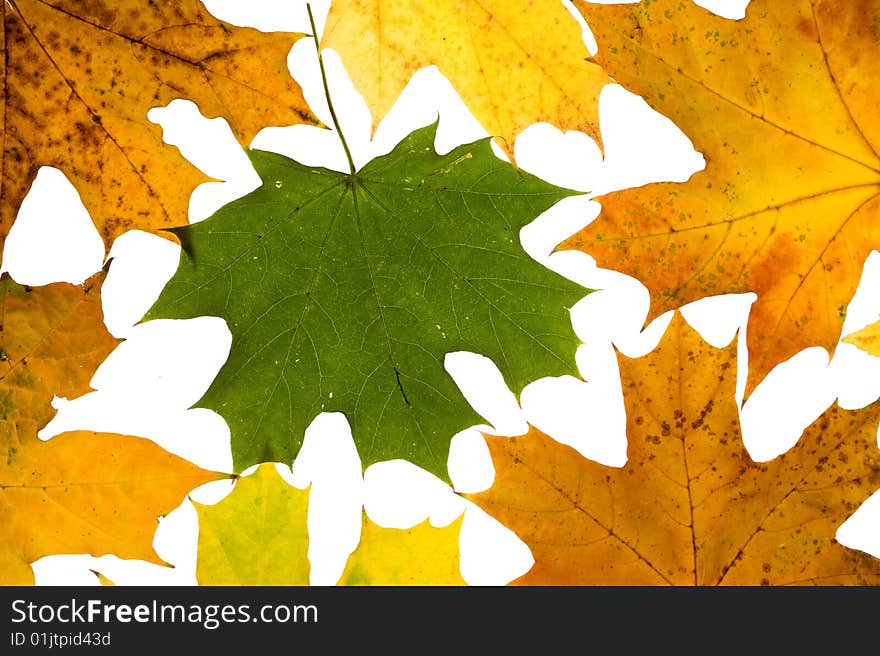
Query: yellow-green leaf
258	536
255	536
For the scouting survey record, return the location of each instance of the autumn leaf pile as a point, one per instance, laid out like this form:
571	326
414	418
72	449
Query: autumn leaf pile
344	291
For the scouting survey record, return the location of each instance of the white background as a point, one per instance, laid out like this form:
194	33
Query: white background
149	382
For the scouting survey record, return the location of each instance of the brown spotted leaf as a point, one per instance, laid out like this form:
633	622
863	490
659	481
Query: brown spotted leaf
514	62
78	80
80	492
690	507
783	105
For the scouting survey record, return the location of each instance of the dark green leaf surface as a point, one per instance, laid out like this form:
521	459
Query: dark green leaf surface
344	292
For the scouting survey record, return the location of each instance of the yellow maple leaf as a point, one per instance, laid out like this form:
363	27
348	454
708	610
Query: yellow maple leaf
258	536
867	338
420	555
514	62
255	536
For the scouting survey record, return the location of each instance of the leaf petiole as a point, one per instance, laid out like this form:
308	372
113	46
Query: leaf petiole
351	166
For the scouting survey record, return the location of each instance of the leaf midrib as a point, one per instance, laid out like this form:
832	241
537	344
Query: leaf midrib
575	504
78	484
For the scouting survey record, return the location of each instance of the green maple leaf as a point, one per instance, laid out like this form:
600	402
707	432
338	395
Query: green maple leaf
343	292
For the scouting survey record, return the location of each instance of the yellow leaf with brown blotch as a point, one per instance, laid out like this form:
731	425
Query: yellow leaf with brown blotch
103	580
80	492
690	507
513	62
80	77
783	105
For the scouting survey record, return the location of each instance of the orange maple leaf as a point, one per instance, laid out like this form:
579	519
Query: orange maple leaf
783	105
80	491
79	78
690	507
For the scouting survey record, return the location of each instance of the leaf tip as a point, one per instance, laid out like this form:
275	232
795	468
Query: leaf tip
426	136
182	234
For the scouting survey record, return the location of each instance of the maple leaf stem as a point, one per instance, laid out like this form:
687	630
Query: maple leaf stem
351	167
